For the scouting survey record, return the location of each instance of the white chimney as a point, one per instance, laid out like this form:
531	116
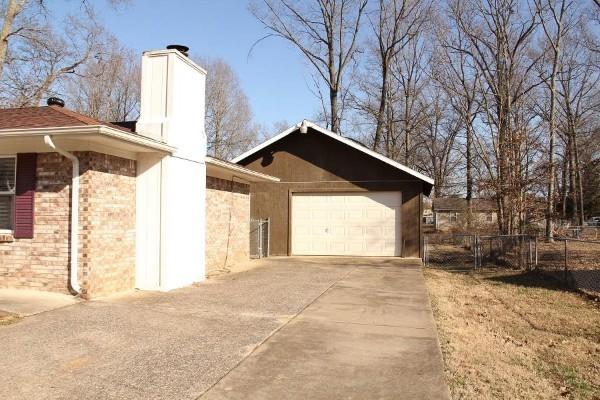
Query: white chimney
171	188
173	102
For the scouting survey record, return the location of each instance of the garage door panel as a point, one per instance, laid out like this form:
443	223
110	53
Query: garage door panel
346	224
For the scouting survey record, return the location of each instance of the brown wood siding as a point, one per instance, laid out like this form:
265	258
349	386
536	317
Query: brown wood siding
313	162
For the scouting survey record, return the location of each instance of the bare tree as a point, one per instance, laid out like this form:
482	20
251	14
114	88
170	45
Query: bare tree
498	35
555	27
37	55
12	9
458	75
439	159
410	78
398	22
108	87
579	81
324	31
229	126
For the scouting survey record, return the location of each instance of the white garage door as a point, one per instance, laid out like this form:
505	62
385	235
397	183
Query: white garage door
351	224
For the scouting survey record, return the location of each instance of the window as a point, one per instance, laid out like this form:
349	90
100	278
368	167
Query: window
7	191
490	217
453	217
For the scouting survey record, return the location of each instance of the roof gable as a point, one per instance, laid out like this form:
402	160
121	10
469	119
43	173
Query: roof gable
349	142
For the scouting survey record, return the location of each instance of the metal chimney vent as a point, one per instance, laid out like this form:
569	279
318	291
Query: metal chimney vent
55	101
179	47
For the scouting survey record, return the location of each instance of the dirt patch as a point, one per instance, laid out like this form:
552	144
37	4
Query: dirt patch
515	335
8	318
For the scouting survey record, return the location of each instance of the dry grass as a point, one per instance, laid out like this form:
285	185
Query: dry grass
7	319
515	335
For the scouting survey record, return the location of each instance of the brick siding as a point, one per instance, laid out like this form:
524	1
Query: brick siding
107	228
42	262
107	224
227	223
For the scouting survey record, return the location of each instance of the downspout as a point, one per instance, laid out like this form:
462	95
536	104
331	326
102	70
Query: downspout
74	235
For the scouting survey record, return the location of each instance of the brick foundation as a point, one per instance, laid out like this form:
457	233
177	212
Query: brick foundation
227	223
107	228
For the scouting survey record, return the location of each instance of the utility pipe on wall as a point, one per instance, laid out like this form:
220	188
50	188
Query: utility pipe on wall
74	236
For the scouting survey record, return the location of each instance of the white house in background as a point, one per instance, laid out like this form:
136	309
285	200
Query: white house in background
94	208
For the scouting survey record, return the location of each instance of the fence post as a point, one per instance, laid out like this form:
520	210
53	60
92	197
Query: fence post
566	262
476	252
268	237
536	252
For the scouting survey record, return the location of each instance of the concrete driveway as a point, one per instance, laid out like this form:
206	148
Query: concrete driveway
291	328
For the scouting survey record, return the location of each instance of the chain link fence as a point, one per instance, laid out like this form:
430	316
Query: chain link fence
574	262
509	251
450	251
260	238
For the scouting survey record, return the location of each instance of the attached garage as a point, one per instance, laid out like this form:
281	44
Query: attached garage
346	224
335	196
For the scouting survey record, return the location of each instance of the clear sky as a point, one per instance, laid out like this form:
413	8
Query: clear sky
275	77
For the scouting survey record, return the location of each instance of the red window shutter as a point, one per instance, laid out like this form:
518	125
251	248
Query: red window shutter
25	195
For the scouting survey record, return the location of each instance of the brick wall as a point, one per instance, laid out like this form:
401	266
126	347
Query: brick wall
42	262
227	223
107	224
107	228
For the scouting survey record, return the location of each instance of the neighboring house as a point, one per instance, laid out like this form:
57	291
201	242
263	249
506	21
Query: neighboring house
335	197
428	218
450	213
97	208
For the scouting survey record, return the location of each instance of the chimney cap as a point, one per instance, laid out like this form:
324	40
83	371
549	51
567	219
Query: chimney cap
179	47
55	101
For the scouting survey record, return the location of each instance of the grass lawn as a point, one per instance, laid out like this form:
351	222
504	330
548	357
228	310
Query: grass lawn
515	335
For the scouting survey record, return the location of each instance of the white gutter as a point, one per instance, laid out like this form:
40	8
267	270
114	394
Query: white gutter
247	174
77	132
74	235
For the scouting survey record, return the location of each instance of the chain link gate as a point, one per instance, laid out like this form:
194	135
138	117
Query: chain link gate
260	238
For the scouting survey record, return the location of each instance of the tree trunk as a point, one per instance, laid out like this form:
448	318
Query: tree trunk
382	104
334	120
579	181
469	196
13	8
551	167
565	192
572	180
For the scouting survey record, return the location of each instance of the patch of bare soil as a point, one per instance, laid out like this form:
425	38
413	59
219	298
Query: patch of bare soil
8	318
515	335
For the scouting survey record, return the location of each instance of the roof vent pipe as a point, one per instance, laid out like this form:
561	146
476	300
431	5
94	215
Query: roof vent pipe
55	101
303	127
180	48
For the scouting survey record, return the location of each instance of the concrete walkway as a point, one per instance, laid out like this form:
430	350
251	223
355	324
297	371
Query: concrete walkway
290	328
31	302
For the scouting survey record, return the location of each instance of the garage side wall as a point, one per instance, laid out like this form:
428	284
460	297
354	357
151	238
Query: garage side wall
313	162
227	223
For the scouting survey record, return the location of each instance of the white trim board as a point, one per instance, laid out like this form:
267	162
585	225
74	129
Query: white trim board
339	138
